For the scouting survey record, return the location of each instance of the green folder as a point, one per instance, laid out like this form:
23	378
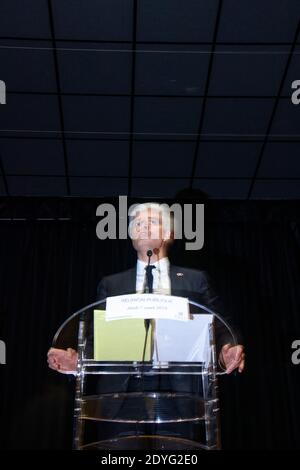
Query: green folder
120	340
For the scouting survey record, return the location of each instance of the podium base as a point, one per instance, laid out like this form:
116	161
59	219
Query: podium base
146	443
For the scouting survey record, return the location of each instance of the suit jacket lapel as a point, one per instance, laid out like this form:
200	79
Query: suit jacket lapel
176	281
132	281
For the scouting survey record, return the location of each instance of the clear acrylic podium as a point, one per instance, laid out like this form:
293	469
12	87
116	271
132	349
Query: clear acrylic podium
144	405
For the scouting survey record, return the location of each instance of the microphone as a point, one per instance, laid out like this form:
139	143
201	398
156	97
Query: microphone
149	254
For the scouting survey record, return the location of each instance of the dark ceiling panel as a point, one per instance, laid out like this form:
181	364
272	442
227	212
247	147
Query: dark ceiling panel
92	71
36	186
293	73
278	189
280	160
28	70
142	187
163	158
96	114
237	116
287	119
24	19
30	112
167	115
32	157
107	20
259	21
175	20
227	159
96	158
182	71
223	189
98	187
247	71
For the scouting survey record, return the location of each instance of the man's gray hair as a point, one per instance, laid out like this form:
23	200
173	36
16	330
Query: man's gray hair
163	209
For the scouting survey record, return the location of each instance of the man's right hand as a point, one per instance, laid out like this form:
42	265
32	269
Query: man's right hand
62	360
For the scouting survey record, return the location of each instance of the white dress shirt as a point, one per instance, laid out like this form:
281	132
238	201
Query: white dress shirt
161	276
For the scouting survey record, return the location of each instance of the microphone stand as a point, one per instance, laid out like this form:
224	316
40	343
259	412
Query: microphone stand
149	290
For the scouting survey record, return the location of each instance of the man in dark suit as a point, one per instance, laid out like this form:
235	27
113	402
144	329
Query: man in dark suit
151	238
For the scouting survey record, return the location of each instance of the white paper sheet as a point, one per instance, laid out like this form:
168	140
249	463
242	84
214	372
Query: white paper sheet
182	341
150	306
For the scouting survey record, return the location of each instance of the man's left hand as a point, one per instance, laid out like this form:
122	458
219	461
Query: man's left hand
233	357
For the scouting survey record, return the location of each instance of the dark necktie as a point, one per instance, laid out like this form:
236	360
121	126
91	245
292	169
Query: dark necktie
149	278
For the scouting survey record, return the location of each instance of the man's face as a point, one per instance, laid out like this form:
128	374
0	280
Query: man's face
147	230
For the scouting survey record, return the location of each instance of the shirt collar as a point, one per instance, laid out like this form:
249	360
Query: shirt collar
162	265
